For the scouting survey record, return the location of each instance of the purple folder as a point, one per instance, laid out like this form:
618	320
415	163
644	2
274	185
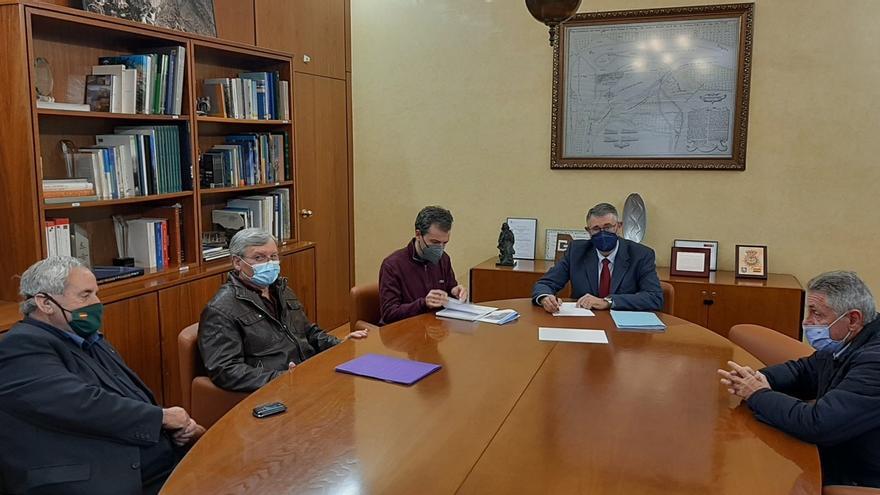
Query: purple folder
387	368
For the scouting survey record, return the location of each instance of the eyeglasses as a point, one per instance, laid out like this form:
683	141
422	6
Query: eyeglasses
608	227
262	259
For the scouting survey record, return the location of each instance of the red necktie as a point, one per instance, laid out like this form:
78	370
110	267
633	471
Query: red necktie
605	279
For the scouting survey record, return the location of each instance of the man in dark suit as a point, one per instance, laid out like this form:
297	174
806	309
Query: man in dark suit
831	398
74	419
606	272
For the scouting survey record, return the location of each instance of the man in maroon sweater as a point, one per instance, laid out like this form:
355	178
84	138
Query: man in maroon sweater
419	277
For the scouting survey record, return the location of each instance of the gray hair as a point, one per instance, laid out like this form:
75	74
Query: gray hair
246	238
602	209
845	291
45	276
433	215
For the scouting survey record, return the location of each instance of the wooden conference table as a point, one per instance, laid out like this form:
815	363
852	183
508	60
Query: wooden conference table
507	413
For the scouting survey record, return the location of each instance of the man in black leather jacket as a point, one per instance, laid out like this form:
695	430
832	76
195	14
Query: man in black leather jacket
831	398
254	328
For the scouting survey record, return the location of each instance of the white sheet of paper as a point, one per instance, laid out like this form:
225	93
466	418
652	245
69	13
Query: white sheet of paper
571	309
690	262
572	335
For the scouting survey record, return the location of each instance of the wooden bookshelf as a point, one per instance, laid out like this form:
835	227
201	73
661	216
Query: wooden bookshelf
226	120
45	112
258	187
111	202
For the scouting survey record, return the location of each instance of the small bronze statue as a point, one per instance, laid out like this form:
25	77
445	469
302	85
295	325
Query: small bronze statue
505	246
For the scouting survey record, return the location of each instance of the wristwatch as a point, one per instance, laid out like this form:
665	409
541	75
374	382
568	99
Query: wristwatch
609	301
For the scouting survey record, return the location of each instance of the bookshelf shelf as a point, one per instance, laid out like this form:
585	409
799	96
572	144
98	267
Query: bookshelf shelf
111	202
226	120
42	112
258	187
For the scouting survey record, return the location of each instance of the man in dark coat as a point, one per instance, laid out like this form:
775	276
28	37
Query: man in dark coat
831	398
74	419
254	328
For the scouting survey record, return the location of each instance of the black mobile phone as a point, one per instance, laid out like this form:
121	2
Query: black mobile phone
270	409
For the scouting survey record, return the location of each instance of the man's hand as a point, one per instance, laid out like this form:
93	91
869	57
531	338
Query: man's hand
743	380
589	301
460	292
175	418
191	433
436	299
358	334
290	366
551	303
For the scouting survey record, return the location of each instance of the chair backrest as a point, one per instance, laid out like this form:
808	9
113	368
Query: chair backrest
668	297
364	306
768	345
190	361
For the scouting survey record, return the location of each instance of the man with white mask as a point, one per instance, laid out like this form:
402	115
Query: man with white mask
254	329
831	398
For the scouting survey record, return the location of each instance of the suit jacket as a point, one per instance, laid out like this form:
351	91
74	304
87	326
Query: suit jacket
65	427
833	403
634	282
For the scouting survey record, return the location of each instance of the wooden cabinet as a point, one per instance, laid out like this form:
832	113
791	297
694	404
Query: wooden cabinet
235	20
179	307
716	303
723	301
132	326
299	268
323	177
313	30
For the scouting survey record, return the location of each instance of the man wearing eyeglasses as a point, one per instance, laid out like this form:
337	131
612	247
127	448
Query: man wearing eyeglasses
255	329
606	271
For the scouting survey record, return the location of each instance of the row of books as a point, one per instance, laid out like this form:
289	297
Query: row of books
66	239
269	211
149	83
247	159
251	95
135	161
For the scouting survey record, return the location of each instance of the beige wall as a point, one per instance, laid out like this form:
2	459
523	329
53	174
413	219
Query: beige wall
452	106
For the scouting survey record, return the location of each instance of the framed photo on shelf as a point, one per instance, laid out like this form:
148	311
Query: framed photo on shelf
712	245
690	262
669	89
525	237
551	245
751	261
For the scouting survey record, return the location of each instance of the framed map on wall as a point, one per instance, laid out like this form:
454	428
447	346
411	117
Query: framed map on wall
653	89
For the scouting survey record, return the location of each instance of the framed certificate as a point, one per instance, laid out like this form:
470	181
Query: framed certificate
689	262
525	237
751	261
712	245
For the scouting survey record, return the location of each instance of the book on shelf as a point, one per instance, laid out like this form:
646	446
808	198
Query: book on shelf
59	105
251	95
245	160
146	240
58	236
107	274
158	80
99	92
269	211
67	188
123	99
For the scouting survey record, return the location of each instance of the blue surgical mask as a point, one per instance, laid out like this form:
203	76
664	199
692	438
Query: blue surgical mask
604	241
819	336
266	273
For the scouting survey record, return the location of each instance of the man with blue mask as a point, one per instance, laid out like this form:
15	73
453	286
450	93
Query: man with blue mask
74	418
254	329
831	398
418	277
606	271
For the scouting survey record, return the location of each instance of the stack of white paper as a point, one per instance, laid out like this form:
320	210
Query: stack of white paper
571	309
